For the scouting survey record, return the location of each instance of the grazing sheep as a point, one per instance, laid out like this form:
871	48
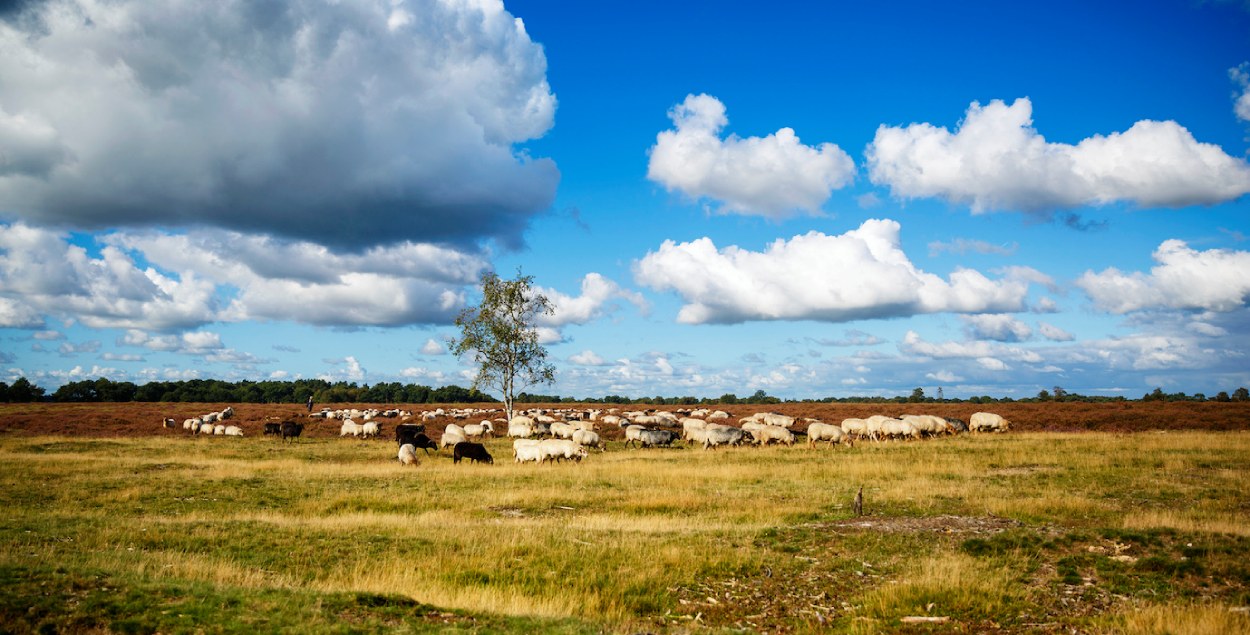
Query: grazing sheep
820	431
478	430
928	424
227	413
769	433
408	455
560	449
520	429
351	427
857	427
722	435
527	450
899	429
562	430
169	423
587	438
273	428
451	437
370	429
475	452
774	419
988	422
957	425
233	431
653	438
689	425
219	429
633	434
291	430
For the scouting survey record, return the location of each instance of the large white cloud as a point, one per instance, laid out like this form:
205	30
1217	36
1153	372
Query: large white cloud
598	298
772	176
43	272
861	274
999	327
1214	280
208	276
996	160
348	123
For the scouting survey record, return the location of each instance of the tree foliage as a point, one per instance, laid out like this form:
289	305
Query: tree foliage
502	336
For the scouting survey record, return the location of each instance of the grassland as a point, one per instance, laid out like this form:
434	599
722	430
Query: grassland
1020	533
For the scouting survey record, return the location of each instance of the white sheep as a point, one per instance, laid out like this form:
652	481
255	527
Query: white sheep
770	433
821	431
408	454
350	427
988	422
369	429
561	429
588	438
721	435
560	449
451	436
528	452
689	424
233	431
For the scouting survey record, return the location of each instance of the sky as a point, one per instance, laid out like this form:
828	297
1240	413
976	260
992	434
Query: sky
809	199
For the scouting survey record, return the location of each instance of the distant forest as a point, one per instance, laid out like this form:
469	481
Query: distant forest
324	392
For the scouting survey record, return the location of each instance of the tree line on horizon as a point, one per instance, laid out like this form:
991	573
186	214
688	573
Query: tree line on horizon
324	392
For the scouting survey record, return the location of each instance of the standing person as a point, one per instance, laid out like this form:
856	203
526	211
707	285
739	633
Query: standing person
309	403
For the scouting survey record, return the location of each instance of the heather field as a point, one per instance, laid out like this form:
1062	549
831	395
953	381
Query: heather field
1088	518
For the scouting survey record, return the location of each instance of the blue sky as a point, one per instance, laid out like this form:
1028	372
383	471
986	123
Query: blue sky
809	199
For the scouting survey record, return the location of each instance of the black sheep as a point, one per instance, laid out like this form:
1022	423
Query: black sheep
291	430
273	428
475	452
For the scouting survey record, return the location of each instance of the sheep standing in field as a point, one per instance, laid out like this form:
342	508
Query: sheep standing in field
690	424
370	429
561	449
988	422
587	438
899	429
721	435
633	435
821	431
408	455
351	427
451	436
479	430
770	433
291	430
856	427
527	450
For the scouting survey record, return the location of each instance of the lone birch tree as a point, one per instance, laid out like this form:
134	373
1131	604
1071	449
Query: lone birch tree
502	336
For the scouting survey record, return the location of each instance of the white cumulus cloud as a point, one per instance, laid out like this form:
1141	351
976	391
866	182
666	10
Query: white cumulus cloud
996	160
1241	99
1054	333
770	176
206	276
1214	280
999	327
433	347
586	358
861	274
346	123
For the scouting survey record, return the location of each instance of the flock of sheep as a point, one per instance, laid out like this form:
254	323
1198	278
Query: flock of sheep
542	435
210	424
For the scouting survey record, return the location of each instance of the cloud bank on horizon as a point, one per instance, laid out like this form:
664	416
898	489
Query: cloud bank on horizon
248	190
